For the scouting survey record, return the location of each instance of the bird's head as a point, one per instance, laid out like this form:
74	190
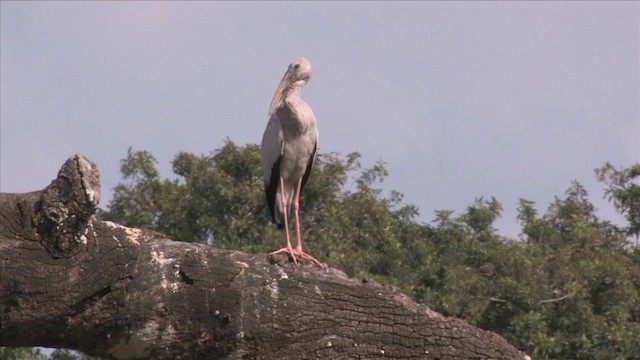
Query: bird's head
299	70
297	75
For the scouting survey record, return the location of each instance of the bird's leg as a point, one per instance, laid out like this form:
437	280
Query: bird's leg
289	248
296	208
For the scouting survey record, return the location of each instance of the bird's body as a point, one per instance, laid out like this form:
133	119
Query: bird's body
288	150
291	157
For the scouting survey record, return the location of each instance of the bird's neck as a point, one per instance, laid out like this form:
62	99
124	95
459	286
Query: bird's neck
294	91
293	99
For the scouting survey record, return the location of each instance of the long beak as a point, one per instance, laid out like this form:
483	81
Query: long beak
278	97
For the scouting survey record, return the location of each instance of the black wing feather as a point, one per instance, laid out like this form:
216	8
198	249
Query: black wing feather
307	172
271	189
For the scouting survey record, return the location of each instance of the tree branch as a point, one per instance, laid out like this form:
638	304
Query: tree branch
69	281
546	301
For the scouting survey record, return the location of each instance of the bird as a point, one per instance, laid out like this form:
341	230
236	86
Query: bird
289	145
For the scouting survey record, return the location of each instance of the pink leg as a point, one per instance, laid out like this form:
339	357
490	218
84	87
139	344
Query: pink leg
289	248
296	208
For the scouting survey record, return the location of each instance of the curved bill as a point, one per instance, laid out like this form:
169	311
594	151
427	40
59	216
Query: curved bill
278	97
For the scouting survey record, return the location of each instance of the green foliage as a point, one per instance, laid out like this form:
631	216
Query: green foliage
63	354
623	192
584	301
215	199
569	288
33	353
135	202
21	353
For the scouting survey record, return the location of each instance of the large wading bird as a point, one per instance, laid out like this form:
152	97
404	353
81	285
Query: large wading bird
288	150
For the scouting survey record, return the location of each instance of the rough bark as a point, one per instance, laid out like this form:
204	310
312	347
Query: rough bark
67	280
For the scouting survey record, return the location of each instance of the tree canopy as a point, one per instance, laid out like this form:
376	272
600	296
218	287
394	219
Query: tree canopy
569	288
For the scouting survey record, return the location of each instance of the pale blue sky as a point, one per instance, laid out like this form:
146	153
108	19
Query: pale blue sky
504	99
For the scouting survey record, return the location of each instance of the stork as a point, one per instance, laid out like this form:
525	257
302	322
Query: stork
288	149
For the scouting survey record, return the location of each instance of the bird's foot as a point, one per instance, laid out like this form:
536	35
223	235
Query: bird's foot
295	253
288	250
306	256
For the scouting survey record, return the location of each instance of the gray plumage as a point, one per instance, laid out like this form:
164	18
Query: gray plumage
290	140
288	149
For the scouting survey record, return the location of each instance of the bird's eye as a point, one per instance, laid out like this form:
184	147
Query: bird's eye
296	66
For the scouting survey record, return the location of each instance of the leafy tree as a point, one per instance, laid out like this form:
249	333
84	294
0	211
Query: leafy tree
623	192
21	353
34	353
568	290
63	354
219	199
586	289
215	199
135	202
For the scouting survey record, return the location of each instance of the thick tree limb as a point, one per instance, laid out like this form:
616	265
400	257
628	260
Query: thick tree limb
69	281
